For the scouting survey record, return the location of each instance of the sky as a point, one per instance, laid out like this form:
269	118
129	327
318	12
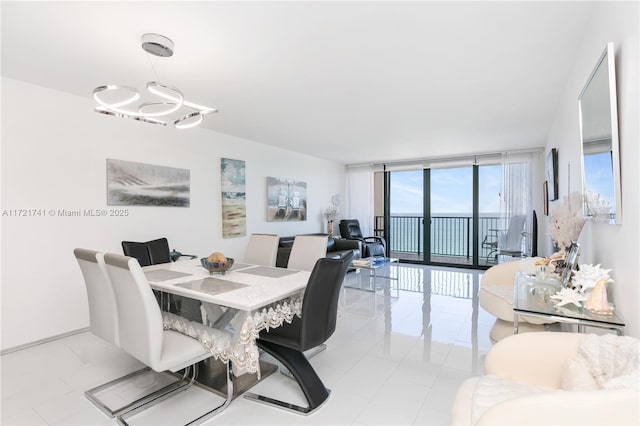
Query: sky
451	191
600	176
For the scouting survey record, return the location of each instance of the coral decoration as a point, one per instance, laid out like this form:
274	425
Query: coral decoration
566	220
332	212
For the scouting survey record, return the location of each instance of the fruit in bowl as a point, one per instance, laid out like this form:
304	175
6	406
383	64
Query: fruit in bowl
216	262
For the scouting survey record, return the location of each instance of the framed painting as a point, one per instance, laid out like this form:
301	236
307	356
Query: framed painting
552	174
234	201
286	200
545	192
139	184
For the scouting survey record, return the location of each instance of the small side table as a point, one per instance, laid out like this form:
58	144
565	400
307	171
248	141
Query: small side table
373	267
531	298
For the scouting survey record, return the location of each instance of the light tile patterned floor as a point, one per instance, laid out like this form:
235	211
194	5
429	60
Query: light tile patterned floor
397	357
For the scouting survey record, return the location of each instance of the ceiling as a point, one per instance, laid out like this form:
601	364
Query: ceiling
352	82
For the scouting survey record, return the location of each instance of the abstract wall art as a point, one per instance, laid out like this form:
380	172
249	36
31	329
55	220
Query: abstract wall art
234	208
139	184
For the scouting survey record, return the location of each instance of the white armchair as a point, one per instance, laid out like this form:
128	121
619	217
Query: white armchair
496	297
528	370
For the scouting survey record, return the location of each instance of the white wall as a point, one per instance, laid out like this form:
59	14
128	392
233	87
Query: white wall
613	246
54	151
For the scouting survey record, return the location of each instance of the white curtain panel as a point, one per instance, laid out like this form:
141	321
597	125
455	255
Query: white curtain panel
519	175
360	197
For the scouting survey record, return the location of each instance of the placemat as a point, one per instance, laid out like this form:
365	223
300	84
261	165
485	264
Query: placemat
211	285
158	275
266	271
237	266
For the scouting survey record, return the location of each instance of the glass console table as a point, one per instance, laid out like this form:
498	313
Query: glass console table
531	299
373	264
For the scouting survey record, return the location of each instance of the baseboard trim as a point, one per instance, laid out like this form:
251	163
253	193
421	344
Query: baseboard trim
42	341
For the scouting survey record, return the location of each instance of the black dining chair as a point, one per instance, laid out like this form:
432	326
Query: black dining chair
318	322
137	250
159	251
155	252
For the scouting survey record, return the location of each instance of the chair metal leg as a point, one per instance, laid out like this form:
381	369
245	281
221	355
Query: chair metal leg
297	363
92	394
122	419
315	351
159	395
220	407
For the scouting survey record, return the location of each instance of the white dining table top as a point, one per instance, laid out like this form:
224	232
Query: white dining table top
244	287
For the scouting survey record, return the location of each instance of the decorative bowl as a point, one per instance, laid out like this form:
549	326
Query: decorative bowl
216	266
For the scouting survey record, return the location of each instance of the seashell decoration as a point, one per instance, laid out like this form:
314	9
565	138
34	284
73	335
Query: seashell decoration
597	301
588	288
587	276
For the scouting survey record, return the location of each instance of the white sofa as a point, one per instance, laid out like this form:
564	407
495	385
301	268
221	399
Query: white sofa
496	297
522	365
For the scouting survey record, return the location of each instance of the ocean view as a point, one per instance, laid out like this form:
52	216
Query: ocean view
451	233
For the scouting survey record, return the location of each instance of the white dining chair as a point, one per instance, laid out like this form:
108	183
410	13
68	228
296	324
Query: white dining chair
103	314
262	249
103	323
143	337
306	250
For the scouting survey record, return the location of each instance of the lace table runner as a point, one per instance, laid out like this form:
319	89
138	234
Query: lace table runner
239	347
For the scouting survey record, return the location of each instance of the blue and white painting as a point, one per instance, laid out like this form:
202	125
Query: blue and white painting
286	200
139	184
234	208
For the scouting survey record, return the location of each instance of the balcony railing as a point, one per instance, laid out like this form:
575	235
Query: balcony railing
451	236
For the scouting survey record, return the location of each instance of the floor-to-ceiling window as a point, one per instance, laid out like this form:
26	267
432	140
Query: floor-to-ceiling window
456	213
443	198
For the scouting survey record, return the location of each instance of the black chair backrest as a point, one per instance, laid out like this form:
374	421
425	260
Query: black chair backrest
149	253
159	251
320	304
350	229
137	250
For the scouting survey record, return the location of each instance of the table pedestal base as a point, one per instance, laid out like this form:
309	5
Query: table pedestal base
212	376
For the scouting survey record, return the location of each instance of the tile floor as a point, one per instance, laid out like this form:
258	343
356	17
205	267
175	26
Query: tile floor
397	357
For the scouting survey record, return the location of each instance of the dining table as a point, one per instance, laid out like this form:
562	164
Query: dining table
236	306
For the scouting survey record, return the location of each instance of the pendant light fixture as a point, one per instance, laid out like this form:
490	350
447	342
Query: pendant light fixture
163	104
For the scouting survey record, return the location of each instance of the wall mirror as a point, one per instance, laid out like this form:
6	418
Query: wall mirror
600	148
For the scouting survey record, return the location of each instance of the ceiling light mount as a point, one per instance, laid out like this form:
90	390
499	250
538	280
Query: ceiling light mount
157	45
161	100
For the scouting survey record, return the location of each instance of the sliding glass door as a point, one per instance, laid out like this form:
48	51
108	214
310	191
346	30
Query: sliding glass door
451	216
444	216
406	215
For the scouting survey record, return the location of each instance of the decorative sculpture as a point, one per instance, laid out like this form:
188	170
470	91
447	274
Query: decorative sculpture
566	296
587	276
588	286
597	301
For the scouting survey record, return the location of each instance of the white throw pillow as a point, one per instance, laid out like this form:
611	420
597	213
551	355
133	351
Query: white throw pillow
576	377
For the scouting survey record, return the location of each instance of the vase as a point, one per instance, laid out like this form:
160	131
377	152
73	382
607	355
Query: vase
330	227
